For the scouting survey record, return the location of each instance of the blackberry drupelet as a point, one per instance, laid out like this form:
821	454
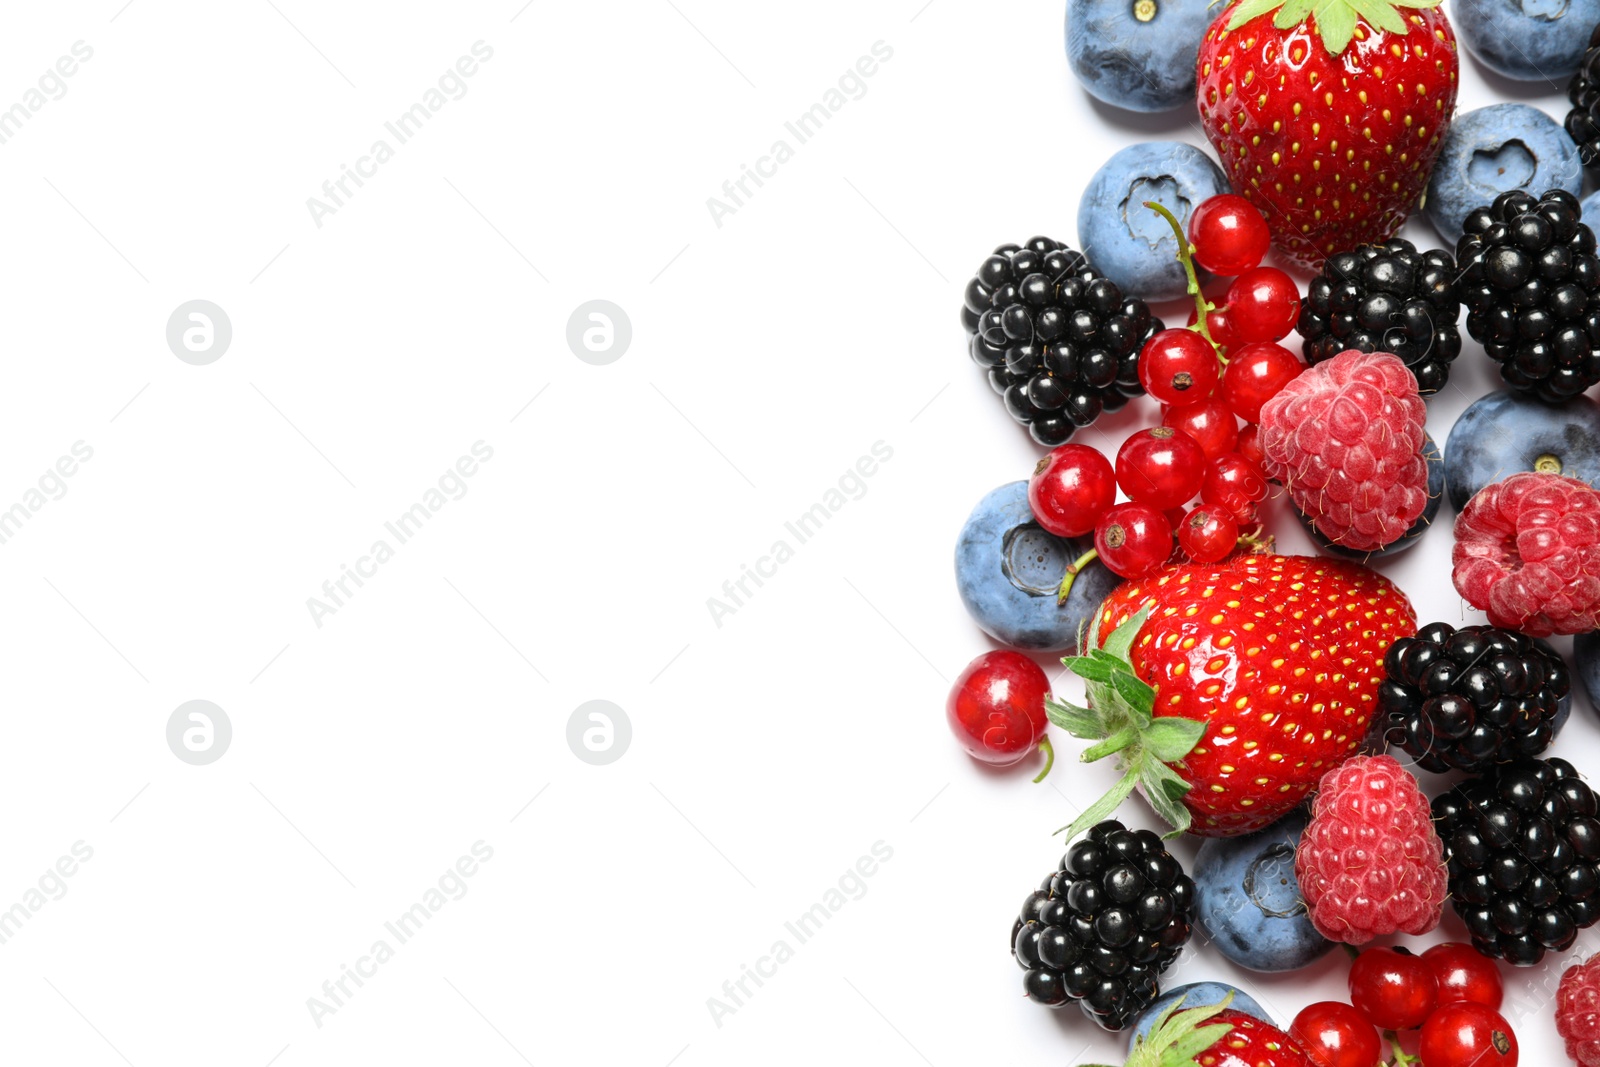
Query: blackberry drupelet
1060	342
1102	928
1523	851
1468	699
1386	298
1531	283
1583	121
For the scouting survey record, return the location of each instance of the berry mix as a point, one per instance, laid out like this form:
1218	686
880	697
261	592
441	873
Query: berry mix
1292	713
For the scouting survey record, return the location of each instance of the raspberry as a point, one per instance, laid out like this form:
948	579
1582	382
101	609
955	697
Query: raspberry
1578	1012
1346	439
1369	862
1528	553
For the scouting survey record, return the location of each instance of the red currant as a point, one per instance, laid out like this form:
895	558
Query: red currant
1070	489
1161	467
1249	445
1336	1035
1465	1034
1209	422
1133	540
1219	324
1177	367
1393	989
996	707
1207	535
1255	374
1263	304
1464	973
1233	485
1229	235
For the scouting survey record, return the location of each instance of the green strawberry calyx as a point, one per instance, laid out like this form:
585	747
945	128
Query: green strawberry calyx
1336	19
1177	1038
1119	715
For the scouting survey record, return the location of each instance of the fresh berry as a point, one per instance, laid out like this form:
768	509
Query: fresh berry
1393	989
1386	298
1233	484
1329	124
1263	305
1495	150
1527	41
1507	432
1178	367
1256	373
1133	539
1060	342
1070	489
1412	536
1136	56
1528	553
1101	928
1247	901
1465	974
1208	535
1468	699
1209	422
1251	1043
1219	324
1249	445
1578	1011
1583	121
1531	283
1161	467
1523	847
1467	1035
1345	438
996	707
1196	995
1229	235
1334	1034
1230	660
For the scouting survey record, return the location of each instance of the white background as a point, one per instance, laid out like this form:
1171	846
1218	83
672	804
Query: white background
371	752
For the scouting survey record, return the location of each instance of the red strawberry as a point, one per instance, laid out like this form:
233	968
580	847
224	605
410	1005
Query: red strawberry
1227	690
1214	1036
1329	123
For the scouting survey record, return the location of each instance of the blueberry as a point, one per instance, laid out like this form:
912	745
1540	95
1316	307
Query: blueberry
1430	450
1008	569
1493	150
1528	40
1248	901
1505	433
1129	243
1591	209
1137	54
1586	657
1196	995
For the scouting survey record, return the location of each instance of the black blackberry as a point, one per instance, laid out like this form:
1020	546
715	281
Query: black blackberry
1102	927
1059	341
1583	121
1468	699
1523	846
1531	283
1386	298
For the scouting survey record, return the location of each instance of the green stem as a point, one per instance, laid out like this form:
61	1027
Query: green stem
1401	1058
1049	751
1202	306
1072	573
1113	744
1353	952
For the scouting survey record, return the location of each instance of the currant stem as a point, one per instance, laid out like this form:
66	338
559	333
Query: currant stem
1049	751
1401	1058
1072	573
1186	256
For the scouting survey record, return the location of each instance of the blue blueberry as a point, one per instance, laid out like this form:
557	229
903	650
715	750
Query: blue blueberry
1247	899
1591	209
1435	459
1008	569
1506	433
1494	150
1196	995
1528	40
1126	241
1137	54
1586	657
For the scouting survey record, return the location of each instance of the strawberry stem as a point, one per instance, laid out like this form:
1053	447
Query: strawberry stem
1203	307
1110	746
1073	569
1049	751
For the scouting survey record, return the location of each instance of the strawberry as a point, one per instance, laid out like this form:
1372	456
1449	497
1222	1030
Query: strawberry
1214	1036
1227	690
1329	122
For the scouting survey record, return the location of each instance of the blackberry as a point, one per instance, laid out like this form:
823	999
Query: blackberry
1101	928
1583	121
1468	699
1531	283
1523	851
1060	342
1386	298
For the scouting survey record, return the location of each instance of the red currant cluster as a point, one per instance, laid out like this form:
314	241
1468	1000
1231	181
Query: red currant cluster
1451	993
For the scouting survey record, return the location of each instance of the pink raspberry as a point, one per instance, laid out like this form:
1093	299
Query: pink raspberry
1578	1011
1528	553
1346	438
1369	862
